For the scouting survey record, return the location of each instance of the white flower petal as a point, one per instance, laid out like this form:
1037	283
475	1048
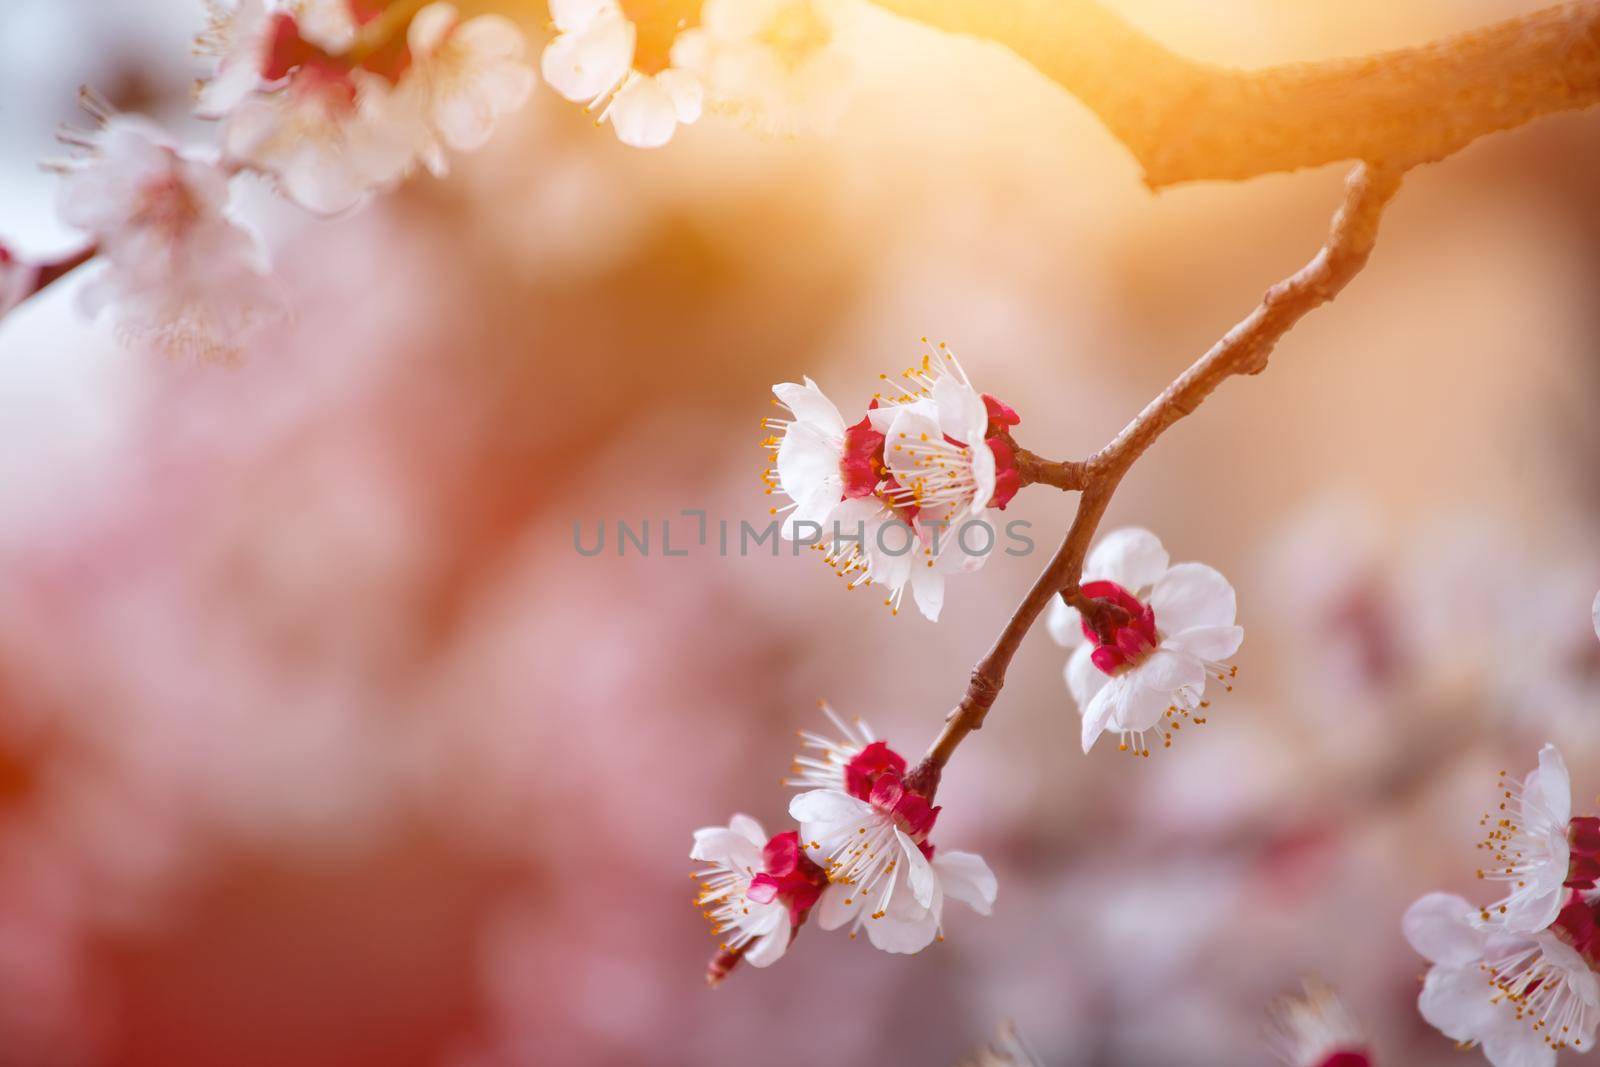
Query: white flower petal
1215	643
643	113
582	64
1438	926
721	845
685	92
1518	1046
1066	625
1457	1001
571	15
962	413
808	470
828	807
964	876
1551	786
429	27
927	588
1140	706
1084	679
1132	557
907	928
1190	595
810	404
833	912
749	828
226	89
772	940
1102	708
918	874
1167	670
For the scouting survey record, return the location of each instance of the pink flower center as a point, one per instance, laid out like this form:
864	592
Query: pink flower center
1123	630
877	775
862	466
866	473
1576	926
1583	863
788	876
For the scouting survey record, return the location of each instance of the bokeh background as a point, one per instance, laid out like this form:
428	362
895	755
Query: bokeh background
321	745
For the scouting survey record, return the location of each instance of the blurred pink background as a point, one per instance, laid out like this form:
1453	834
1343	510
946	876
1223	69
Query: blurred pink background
321	745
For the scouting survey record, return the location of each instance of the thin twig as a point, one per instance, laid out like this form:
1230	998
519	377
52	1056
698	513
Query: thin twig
1036	470
1243	350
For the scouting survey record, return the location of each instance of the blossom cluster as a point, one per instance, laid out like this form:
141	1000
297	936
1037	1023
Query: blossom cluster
332	100
336	100
929	455
1518	975
860	855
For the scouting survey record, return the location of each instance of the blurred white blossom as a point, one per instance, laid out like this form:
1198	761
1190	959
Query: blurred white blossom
1316	1030
175	270
463	78
773	64
592	61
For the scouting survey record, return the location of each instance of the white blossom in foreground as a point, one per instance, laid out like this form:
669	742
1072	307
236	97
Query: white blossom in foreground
1522	996
1316	1030
754	890
894	499
1164	631
595	60
176	271
772	64
1528	846
869	832
463	78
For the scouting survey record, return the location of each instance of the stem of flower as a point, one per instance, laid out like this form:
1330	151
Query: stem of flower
1036	470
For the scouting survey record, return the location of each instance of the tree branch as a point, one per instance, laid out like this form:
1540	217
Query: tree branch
1036	470
1243	350
1185	120
21	280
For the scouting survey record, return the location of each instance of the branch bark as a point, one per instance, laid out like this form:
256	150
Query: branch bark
1036	470
1243	350
20	280
1184	120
